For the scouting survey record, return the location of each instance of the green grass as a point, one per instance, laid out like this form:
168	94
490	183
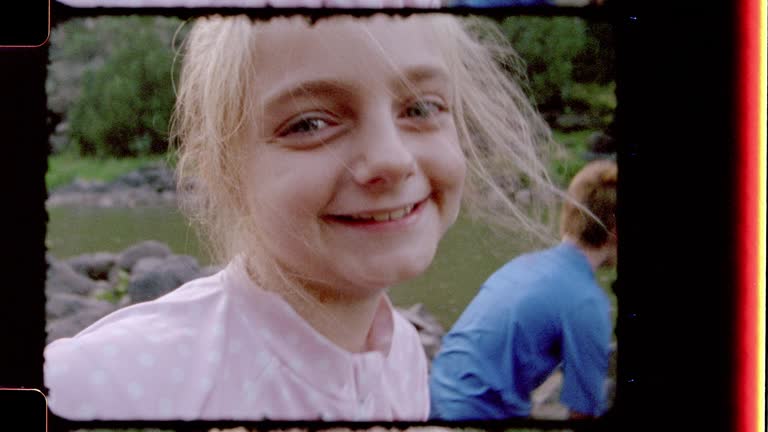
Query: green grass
65	168
575	144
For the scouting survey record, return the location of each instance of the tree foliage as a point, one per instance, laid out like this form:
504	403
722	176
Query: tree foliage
561	53
125	102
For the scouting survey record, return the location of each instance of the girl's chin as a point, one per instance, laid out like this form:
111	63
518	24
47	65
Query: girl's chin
383	277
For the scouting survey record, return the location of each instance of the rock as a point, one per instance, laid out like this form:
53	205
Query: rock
149	185
162	278
94	266
150	248
421	319
60	305
431	343
61	278
131	180
209	271
145	265
158	177
74	323
429	328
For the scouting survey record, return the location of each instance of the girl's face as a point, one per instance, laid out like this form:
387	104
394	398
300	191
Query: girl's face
353	166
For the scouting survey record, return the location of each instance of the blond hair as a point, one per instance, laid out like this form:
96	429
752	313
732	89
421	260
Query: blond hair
504	140
594	187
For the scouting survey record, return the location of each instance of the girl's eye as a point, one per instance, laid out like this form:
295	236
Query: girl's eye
423	109
304	126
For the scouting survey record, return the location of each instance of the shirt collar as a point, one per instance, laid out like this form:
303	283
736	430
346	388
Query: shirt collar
290	338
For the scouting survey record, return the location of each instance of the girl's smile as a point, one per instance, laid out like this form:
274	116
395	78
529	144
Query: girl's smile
353	169
399	217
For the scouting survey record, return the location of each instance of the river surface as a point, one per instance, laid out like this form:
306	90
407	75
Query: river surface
468	254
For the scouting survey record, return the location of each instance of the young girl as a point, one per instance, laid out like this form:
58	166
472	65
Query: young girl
324	162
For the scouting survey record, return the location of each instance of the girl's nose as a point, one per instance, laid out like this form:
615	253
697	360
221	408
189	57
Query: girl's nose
385	158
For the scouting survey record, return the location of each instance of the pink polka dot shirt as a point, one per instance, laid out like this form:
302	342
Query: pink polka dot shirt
222	348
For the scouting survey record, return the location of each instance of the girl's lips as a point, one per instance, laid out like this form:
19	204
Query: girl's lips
379	218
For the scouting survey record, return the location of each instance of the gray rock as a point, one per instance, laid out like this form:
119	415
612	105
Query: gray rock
163	278
422	320
62	278
145	265
71	325
429	328
60	305
150	248
209	271
94	266
158	177
131	180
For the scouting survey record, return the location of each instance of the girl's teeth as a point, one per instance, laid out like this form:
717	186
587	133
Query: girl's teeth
385	216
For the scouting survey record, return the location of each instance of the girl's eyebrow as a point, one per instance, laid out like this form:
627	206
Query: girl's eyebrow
311	88
421	74
403	80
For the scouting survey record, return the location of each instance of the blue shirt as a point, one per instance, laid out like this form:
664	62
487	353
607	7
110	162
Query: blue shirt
538	311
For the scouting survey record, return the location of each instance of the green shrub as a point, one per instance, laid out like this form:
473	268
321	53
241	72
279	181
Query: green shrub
125	105
548	45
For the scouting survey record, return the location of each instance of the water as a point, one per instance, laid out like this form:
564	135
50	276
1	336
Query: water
468	254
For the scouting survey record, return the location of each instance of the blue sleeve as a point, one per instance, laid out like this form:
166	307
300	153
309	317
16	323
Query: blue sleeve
586	348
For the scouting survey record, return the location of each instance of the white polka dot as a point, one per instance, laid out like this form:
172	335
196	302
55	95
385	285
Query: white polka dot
110	350
97	377
56	369
86	410
184	350
165	407
218	330
135	390
204	383
146	359
156	338
177	375
259	359
297	363
118	331
159	324
266	335
249	390
285	394
235	346
214	357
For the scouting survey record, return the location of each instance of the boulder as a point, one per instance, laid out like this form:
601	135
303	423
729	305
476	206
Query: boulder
150	248
131	180
70	325
158	177
62	278
94	266
60	305
145	265
209	270
429	328
162	278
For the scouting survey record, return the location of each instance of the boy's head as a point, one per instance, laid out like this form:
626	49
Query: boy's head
594	187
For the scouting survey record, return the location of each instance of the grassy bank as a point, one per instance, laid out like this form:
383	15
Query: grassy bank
65	168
